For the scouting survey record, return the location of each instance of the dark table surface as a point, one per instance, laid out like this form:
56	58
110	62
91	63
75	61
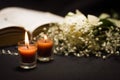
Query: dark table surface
62	68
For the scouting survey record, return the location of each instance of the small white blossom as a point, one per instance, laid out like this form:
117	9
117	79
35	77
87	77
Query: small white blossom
93	20
104	16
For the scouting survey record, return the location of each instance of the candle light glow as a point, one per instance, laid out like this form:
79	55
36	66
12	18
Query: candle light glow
45	37
26	39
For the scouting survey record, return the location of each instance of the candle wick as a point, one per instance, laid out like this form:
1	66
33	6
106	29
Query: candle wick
27	46
45	41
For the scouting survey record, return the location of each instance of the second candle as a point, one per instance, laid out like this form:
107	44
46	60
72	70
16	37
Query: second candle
45	47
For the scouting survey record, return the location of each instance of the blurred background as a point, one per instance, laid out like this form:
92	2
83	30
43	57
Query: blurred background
62	7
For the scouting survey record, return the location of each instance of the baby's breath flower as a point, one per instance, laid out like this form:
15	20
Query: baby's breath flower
85	36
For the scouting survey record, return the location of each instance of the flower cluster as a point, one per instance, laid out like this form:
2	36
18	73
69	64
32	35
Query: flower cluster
84	36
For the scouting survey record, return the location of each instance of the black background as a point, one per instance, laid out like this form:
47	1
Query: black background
61	7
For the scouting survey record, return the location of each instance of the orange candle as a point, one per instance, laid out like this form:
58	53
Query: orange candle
45	46
27	52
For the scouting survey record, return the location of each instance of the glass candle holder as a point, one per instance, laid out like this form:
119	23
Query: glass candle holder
27	55
45	49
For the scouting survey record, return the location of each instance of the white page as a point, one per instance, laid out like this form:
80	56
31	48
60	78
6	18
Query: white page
29	19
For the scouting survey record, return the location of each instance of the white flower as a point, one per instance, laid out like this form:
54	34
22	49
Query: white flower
78	19
93	20
115	21
104	16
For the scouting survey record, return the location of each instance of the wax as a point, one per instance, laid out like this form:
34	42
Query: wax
27	53
45	47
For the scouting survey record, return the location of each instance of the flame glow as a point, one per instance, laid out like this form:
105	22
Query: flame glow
26	38
45	37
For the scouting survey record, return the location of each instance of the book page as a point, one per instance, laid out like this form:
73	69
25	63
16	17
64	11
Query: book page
4	23
29	19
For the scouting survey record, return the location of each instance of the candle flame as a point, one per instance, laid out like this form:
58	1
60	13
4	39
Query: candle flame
45	37
26	38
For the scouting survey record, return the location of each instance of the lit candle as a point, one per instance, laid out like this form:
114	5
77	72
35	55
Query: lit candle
27	52
45	46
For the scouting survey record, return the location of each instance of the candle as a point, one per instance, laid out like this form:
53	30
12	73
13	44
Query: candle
27	51
27	54
45	46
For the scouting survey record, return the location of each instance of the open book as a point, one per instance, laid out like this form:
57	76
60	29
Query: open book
14	21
